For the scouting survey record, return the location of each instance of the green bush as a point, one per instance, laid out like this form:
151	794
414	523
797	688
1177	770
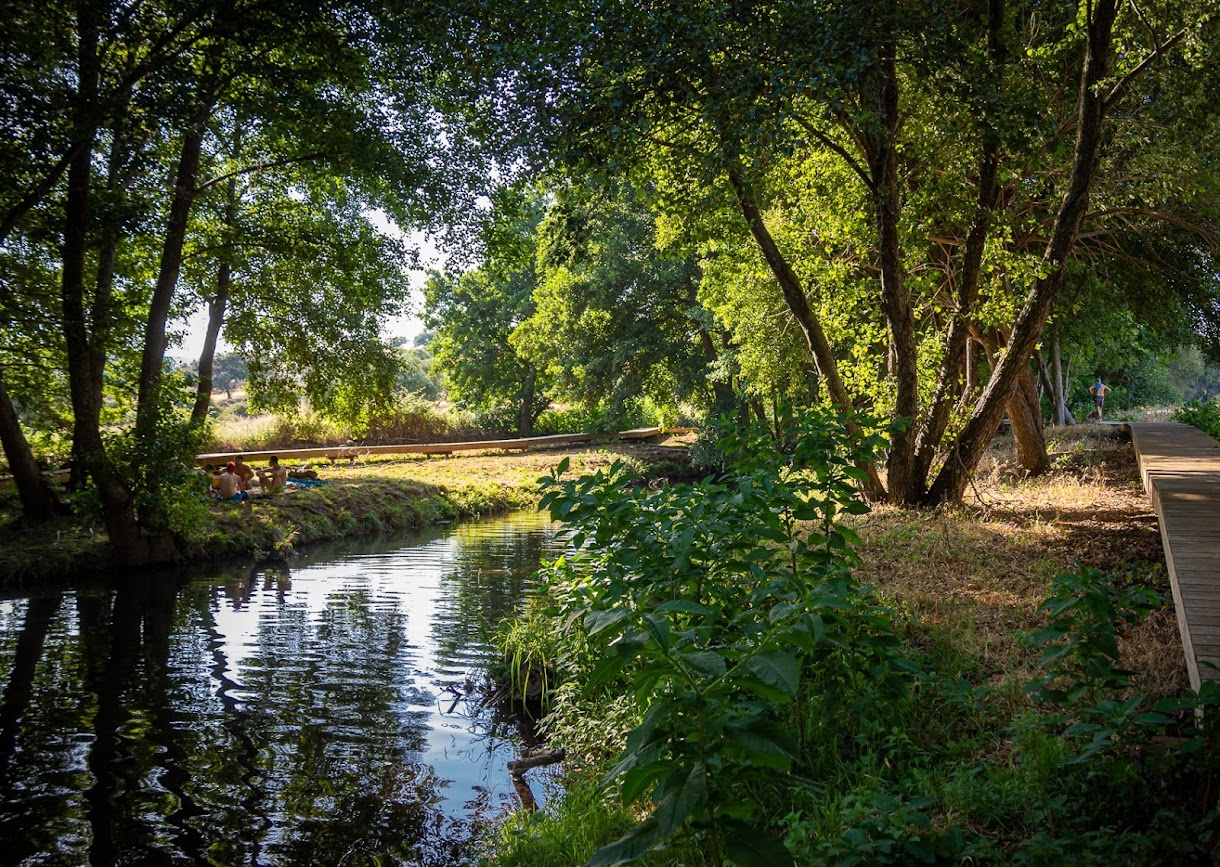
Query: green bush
713	601
1205	415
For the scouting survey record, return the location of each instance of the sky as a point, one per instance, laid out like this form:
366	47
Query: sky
407	326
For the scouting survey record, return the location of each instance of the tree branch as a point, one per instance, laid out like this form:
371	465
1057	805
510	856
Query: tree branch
851	161
1117	90
258	167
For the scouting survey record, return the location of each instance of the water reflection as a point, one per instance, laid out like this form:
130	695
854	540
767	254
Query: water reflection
322	712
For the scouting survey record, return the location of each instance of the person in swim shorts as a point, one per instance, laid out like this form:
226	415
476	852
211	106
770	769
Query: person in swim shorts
1099	390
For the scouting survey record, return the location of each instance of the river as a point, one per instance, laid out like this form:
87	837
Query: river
321	711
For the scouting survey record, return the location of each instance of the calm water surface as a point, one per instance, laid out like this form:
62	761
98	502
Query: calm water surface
325	711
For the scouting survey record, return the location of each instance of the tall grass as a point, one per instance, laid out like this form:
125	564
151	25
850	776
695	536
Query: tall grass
413	420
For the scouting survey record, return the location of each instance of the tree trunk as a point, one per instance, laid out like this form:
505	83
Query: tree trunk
216	307
207	355
525	420
155	340
905	487
97	333
1026	416
1060	395
39	502
1044	379
724	400
798	305
958	375
968	450
118	508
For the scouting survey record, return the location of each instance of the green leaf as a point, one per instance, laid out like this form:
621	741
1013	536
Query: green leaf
707	661
633	845
776	668
765	737
683	606
599	621
679	796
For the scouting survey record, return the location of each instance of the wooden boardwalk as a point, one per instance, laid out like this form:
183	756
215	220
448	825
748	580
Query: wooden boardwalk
1180	466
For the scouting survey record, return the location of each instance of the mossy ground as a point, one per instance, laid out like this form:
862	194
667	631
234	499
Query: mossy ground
358	497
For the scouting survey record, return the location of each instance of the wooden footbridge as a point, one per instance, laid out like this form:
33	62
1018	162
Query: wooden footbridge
351	452
1180	467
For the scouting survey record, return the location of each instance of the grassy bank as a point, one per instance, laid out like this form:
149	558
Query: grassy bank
358	497
928	737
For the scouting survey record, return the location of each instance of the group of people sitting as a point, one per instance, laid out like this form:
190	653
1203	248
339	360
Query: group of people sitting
235	480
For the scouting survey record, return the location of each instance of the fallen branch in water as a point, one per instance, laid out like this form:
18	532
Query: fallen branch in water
518	767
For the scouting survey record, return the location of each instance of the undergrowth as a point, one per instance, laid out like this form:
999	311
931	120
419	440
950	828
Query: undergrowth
1205	415
728	687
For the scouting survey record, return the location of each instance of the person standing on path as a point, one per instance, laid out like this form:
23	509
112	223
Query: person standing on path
1099	390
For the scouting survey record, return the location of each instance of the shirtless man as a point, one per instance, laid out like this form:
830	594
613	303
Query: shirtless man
274	477
1099	390
230	485
244	472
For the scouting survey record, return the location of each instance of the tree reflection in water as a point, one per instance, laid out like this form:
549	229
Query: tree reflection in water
321	713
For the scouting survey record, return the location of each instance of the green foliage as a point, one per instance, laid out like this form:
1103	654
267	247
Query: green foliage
162	476
1080	643
228	368
530	652
714	600
1205	415
415	375
474	316
564	836
615	316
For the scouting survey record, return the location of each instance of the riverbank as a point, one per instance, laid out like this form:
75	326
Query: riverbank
971	760
357	498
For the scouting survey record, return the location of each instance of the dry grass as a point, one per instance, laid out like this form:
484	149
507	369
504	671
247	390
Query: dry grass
980	570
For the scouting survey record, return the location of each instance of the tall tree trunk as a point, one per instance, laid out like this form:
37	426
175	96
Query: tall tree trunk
155	340
724	399
216	307
904	485
798	305
39	502
1026	416
97	333
207	355
957	374
118	510
964	458
1062	415
1044	379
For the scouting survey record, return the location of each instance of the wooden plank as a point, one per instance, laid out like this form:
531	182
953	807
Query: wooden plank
1180	469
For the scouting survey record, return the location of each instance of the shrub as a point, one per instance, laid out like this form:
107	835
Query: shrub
713	601
1205	415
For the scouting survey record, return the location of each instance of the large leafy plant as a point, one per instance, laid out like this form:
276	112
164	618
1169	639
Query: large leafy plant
712	603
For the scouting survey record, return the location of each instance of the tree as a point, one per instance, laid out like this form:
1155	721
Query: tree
138	90
956	134
616	318
475	314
